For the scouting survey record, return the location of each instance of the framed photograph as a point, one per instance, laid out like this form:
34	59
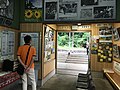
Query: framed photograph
68	10
116	51
50	10
89	2
7	8
86	13
116	36
33	10
104	12
33	4
94	48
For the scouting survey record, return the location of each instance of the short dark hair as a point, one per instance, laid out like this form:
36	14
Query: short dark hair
27	39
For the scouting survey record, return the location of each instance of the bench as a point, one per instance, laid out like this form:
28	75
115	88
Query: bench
114	78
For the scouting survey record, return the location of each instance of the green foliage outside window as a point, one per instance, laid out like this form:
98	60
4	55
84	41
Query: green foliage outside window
77	40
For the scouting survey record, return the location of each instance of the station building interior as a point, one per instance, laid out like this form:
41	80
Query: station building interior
77	43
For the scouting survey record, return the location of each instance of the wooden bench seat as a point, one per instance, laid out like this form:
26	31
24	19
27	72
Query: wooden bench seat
114	78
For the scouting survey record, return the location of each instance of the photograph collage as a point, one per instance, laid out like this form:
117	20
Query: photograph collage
60	10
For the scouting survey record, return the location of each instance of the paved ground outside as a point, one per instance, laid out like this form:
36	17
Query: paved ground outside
73	63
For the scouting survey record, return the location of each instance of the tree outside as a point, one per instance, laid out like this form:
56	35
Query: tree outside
67	40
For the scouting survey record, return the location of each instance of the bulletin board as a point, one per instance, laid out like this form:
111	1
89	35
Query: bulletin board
49	44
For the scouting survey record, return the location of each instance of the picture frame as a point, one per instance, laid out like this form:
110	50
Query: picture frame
7	9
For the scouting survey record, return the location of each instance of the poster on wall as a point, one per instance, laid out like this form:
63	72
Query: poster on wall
50	9
71	10
98	9
11	42
4	43
35	42
33	10
6	12
116	67
68	9
94	48
7	8
7	44
49	45
116	36
105	52
116	51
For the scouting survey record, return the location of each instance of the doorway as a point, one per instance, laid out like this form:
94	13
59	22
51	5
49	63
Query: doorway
72	52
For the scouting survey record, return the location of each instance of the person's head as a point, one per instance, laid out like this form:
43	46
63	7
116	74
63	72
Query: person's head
27	39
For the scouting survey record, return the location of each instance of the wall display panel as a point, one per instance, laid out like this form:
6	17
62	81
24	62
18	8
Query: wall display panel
35	41
105	34
116	67
7	44
50	9
68	10
94	48
73	10
105	52
49	43
116	51
7	8
6	12
33	10
116	36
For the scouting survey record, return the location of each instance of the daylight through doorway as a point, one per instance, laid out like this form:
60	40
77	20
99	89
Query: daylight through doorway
72	52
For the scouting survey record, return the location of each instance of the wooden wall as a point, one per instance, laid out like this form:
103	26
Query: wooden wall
48	65
117	25
95	65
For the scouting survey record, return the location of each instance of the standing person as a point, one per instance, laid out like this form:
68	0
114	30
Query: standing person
29	67
87	47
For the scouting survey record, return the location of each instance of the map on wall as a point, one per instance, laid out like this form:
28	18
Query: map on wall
62	10
33	10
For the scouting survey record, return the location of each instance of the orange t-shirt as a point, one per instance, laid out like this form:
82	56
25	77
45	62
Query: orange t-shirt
22	52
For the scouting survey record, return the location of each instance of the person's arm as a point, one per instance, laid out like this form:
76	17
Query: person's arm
28	68
21	61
